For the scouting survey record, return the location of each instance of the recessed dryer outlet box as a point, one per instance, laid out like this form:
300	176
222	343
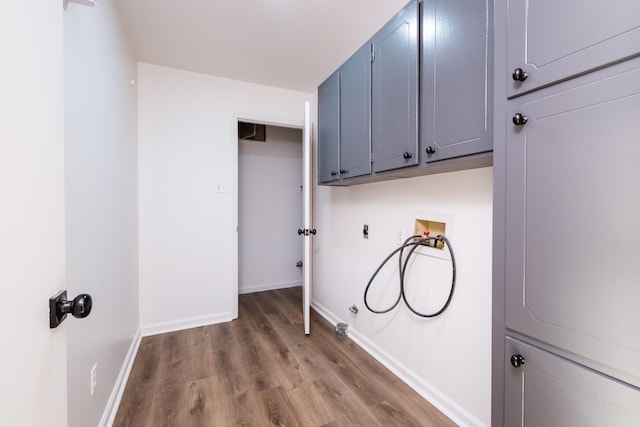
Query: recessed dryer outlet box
431	228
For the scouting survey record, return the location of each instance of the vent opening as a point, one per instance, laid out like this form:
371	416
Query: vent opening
252	131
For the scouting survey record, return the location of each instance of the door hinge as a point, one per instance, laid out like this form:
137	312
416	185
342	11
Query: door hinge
373	56
373	158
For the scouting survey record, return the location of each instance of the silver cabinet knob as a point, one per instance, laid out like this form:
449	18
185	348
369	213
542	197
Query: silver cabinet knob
519	119
517	360
519	75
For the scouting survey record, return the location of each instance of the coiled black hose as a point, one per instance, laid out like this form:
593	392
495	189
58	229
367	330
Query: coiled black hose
402	266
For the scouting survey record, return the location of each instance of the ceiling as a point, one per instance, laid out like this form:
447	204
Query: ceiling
291	44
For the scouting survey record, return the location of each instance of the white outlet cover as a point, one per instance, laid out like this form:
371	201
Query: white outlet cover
94	378
221	187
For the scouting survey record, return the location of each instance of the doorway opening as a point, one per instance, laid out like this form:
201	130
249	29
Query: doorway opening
270	207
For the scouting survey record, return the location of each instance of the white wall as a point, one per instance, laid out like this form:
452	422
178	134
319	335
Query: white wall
33	367
187	149
101	202
270	210
446	358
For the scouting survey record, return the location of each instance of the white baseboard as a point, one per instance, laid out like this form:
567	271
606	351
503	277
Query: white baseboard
268	287
110	411
447	406
194	322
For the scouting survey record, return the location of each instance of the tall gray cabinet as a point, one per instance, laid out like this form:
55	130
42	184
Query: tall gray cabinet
566	342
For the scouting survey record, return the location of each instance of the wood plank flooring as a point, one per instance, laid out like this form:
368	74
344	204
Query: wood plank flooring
261	370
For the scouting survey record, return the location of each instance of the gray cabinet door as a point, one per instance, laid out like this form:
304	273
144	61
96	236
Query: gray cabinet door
394	122
355	114
552	40
329	128
548	391
455	95
573	223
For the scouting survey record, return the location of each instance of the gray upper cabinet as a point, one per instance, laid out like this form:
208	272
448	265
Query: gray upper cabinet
455	119
385	122
573	209
329	129
394	108
552	40
355	114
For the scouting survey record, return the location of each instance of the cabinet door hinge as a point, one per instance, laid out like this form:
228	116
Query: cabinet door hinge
373	56
373	158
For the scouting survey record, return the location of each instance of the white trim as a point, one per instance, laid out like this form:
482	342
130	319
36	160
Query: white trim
267	121
90	3
163	327
430	393
307	222
110	411
233	194
268	287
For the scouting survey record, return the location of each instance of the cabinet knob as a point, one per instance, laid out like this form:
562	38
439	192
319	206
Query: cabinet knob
430	150
519	119
517	360
334	173
519	75
407	155
343	171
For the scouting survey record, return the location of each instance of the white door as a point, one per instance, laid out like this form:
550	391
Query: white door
307	226
33	390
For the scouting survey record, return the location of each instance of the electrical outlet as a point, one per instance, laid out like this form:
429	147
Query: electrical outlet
94	378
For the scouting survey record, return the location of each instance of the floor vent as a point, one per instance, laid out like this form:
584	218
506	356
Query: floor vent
341	329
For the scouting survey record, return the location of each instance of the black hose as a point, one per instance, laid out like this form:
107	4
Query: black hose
366	291
402	265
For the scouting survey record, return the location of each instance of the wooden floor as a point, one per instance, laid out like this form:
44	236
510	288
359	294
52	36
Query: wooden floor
261	370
